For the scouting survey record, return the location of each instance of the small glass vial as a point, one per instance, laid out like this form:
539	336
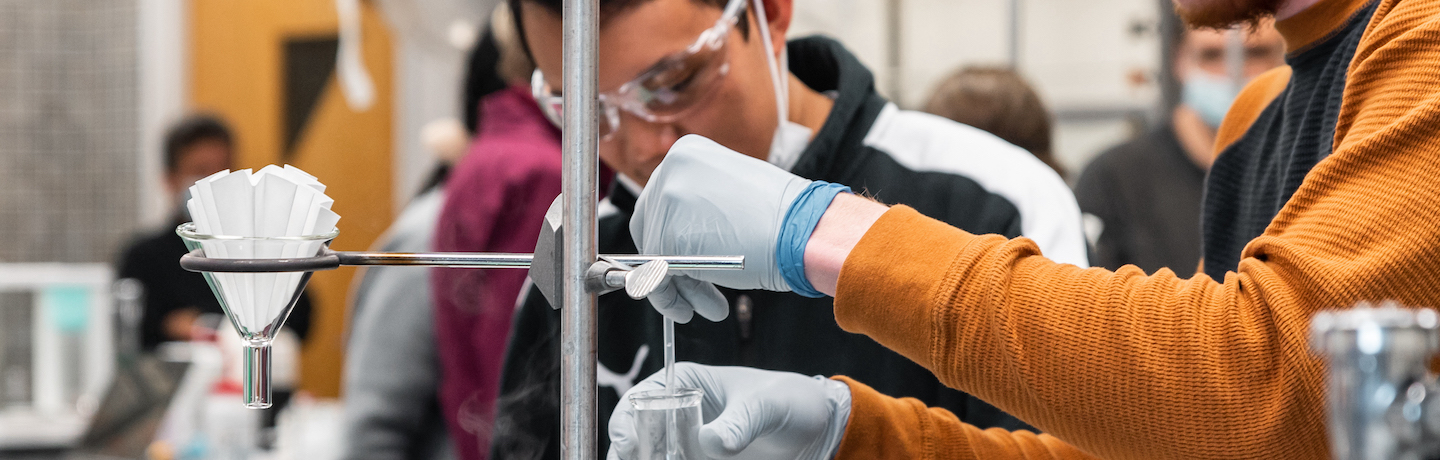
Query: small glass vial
667	424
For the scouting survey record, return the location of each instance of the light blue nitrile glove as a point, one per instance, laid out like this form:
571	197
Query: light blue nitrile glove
705	199
752	414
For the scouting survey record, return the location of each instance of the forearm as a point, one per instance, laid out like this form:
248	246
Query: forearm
1120	364
882	427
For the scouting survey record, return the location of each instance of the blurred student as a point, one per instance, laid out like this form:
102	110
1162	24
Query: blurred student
175	299
494	202
1142	198
999	101
392	411
396	404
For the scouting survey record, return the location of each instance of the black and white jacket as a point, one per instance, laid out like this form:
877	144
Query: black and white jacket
948	171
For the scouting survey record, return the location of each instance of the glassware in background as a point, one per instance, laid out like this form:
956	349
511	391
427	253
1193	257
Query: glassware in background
57	350
129	294
16	348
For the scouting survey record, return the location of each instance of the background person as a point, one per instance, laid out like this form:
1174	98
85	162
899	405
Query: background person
1145	194
999	101
195	147
179	305
835	128
1324	194
495	201
392	370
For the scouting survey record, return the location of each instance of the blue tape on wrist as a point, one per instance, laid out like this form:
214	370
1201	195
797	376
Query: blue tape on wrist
800	221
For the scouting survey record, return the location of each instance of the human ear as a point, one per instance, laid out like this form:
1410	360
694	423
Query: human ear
778	14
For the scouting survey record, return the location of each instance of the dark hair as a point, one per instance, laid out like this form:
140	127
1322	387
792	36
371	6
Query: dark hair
999	101
607	7
193	130
481	79
610	8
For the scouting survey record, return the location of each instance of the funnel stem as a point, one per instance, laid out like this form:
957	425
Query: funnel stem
257	376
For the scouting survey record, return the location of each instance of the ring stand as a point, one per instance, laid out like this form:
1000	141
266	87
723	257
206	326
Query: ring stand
258	286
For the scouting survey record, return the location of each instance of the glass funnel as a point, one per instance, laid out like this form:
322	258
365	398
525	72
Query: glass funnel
256	303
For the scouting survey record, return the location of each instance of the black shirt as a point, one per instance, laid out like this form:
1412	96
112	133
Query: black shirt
1146	194
1256	175
780	330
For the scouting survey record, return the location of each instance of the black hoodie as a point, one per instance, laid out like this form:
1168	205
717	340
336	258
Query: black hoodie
955	173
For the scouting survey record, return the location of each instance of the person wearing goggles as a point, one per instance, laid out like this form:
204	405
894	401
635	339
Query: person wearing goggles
720	77
664	91
722	69
1323	196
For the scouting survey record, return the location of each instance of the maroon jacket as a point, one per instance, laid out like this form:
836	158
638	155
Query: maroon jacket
494	202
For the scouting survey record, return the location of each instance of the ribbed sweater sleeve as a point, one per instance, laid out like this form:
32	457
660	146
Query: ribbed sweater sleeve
1124	365
885	427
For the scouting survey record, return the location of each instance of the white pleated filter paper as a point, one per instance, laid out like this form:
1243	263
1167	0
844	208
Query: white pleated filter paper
274	202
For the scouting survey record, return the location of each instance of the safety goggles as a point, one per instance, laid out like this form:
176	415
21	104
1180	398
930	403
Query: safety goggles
664	92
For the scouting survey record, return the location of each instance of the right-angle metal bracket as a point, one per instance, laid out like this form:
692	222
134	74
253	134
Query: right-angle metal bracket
545	267
606	275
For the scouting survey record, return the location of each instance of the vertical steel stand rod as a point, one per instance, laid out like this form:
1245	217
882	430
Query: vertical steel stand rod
580	156
895	44
1013	38
1235	56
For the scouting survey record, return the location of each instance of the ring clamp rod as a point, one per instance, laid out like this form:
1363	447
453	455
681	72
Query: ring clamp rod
196	261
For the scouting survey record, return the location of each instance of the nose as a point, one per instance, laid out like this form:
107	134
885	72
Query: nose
643	144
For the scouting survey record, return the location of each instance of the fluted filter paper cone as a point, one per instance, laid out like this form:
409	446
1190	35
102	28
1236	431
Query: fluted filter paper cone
274	202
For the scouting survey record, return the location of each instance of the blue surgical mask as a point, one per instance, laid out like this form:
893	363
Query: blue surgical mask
1210	95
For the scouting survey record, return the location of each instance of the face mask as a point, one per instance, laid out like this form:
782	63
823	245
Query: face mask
780	143
1210	95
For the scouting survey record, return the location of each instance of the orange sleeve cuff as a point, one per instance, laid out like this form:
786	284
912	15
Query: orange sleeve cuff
882	427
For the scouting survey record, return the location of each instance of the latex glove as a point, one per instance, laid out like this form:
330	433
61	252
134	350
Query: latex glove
679	296
705	199
761	414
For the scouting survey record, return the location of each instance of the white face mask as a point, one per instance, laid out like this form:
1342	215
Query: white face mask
780	144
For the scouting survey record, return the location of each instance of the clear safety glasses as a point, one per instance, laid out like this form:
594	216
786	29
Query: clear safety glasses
664	92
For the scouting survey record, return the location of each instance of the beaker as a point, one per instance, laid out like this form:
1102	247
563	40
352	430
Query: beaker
661	413
256	303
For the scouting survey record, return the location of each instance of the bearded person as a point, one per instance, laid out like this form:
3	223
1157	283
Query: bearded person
1324	192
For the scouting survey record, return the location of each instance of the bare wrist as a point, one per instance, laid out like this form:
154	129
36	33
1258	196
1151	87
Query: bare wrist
840	229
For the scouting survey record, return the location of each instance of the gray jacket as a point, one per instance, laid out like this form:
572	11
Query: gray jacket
391	368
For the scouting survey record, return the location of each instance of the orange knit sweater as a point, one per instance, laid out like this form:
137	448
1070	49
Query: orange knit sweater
1124	365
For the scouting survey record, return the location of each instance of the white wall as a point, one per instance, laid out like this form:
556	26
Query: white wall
1080	55
163	98
431	49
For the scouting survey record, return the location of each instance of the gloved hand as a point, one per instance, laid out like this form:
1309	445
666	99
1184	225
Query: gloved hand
705	199
761	414
679	296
